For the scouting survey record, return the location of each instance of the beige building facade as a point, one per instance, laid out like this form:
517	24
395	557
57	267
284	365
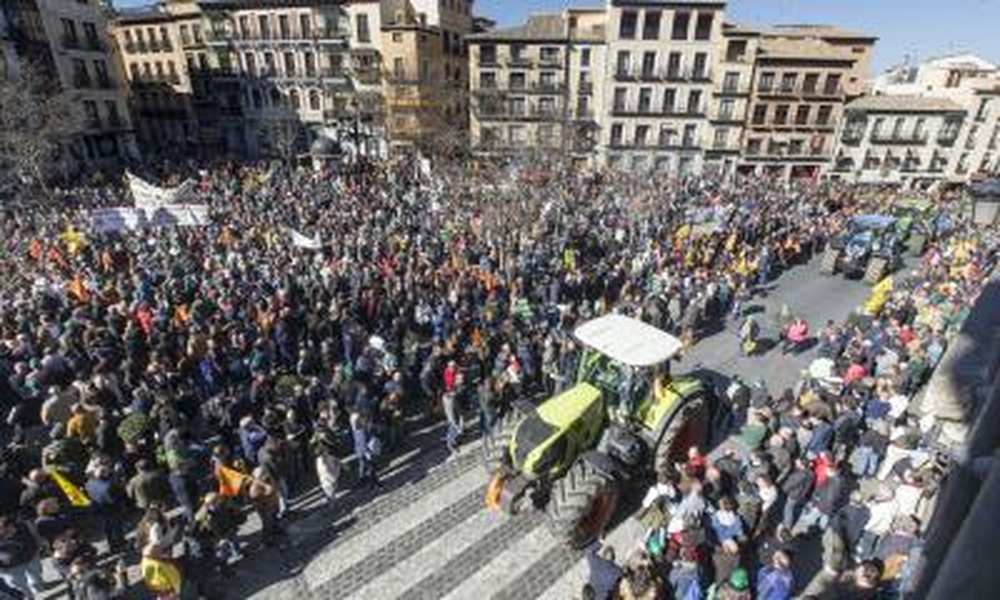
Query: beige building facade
730	107
69	41
905	140
803	78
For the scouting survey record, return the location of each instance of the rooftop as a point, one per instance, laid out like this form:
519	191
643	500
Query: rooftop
539	28
804	49
904	103
817	31
142	14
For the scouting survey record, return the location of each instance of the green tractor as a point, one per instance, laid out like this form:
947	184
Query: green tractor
625	418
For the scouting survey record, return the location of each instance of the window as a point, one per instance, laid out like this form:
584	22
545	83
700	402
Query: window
703	27
264	26
185	35
487	54
585	57
314	103
645	99
244	27
159	70
810	83
90	32
736	51
674	65
90	112
547	80
641	135
700	69
517	81
918	128
284	30
487	80
202	61
781	114
516	53
824	114
258	99
270	68
114	117
759	114
626	27
425	69
517	107
690	135
788	82
670	100
667	135
80	76
164	38
694	102
147	70
877	128
305	28
897	128
802	114
251	63
289	64
651	25
726	109
682	22
196	33
133	70
547	106
549	55
101	72
624	63
754	146
794	147
731	83
832	86
621	96
310	62
984	107
293	97
172	71
70	38
648	65
364	34
276	98
616	134
397	68
545	135
766	82
721	138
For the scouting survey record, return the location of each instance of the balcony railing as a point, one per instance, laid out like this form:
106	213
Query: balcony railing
81	80
105	82
71	42
550	61
519	61
947	139
901	138
586	87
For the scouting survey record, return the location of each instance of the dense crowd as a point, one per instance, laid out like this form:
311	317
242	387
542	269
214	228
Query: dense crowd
177	379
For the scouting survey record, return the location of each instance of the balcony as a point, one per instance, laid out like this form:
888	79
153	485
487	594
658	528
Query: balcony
81	80
586	88
899	139
488	61
825	92
95	44
703	75
522	62
71	42
550	61
539	87
105	83
626	74
733	90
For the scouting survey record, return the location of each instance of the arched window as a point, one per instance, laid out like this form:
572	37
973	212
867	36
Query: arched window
313	100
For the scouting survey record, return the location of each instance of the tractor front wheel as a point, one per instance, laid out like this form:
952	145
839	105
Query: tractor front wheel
581	504
689	427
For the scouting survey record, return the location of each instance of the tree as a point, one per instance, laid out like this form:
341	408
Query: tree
36	120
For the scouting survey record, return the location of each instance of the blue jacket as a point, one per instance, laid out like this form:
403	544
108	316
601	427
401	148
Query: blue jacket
774	584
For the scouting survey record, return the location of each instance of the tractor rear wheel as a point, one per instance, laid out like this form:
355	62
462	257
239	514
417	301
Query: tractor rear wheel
581	504
689	427
828	264
876	270
497	446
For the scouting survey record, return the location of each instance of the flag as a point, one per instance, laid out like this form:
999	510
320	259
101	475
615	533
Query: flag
181	316
35	250
74	240
78	290
75	496
161	576
301	241
230	481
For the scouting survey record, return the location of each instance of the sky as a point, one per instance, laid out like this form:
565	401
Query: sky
919	29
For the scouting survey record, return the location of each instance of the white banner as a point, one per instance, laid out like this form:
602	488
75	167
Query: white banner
301	241
150	197
131	219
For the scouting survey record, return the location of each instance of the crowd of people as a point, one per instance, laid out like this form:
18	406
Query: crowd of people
158	385
841	467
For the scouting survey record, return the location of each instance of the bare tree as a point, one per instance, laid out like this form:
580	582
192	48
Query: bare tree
36	120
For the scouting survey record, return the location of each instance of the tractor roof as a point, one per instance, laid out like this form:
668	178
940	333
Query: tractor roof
628	341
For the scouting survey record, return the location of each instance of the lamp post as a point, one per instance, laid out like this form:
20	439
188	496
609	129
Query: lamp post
985	197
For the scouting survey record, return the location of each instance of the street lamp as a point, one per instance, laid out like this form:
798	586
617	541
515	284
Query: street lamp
985	197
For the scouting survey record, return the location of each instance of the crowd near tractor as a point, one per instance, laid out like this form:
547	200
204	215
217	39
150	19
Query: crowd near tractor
870	249
625	418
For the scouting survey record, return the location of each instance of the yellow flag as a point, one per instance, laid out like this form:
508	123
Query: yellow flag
230	481
160	576
75	496
73	239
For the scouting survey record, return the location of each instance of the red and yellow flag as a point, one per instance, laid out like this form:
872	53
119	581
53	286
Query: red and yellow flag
230	481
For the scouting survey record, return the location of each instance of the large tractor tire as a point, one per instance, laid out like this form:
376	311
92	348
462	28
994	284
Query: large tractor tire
828	264
690	426
581	504
876	270
497	447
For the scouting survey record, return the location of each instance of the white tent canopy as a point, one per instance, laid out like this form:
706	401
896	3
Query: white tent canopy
628	341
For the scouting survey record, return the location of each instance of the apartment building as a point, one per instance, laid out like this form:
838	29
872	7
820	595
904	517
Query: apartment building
656	105
803	77
730	107
518	78
974	85
586	56
160	49
69	42
907	140
426	73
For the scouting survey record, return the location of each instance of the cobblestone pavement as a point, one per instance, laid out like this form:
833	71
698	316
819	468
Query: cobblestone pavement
426	534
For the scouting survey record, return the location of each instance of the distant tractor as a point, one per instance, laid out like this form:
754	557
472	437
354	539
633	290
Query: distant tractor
870	249
626	417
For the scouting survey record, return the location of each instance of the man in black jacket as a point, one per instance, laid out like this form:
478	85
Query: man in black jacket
796	488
